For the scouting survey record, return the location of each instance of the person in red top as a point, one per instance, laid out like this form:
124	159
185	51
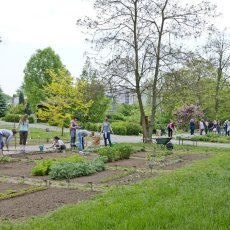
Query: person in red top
171	127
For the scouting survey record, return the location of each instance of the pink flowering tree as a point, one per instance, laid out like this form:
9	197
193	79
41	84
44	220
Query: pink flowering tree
185	113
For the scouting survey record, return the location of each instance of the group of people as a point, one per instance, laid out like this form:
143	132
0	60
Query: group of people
106	129
23	128
206	126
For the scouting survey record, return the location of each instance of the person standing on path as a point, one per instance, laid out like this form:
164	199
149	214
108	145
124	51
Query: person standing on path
192	126
201	127
228	127
171	127
106	129
73	128
23	127
206	124
8	134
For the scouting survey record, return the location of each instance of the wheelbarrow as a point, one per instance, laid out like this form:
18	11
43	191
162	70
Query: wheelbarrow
163	141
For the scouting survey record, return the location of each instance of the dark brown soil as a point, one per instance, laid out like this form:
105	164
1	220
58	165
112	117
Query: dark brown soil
122	172
41	202
4	187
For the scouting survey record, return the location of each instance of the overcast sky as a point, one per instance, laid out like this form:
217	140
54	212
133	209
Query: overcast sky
28	25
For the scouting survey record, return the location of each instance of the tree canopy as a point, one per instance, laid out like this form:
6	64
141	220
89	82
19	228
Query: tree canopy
144	40
36	74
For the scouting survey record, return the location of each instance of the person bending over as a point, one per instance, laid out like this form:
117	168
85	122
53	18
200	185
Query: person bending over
8	134
58	144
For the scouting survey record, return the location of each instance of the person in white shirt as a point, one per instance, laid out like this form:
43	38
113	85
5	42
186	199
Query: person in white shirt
58	144
201	127
8	134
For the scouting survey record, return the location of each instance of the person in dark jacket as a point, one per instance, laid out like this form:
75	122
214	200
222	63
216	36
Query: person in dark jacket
192	126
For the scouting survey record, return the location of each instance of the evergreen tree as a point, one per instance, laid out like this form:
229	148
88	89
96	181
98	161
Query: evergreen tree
3	105
21	98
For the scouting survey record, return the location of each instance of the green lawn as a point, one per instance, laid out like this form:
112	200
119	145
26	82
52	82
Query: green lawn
194	197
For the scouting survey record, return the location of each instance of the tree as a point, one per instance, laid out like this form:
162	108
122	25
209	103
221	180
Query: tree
218	53
191	84
64	98
36	74
185	113
21	98
93	89
144	38
3	105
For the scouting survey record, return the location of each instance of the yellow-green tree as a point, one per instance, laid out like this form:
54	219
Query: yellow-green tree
64	98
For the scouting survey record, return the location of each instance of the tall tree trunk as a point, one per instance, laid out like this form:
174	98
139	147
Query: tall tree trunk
144	122
156	74
217	90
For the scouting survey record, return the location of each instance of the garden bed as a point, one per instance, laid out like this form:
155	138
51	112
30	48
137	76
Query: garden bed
122	172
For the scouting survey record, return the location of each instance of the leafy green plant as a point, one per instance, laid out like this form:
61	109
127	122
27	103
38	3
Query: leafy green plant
68	170
43	166
119	128
5	159
116	152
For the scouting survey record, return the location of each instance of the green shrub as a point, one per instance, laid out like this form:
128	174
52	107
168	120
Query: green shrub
124	150
43	166
133	128
93	126
12	117
116	152
126	128
119	128
106	152
70	170
31	119
115	117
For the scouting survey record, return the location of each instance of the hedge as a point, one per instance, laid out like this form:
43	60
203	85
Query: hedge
16	117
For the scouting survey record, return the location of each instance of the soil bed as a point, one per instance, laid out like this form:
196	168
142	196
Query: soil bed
41	202
4	187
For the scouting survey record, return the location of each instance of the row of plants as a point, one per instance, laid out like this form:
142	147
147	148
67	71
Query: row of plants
212	137
68	170
20	192
42	167
116	152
